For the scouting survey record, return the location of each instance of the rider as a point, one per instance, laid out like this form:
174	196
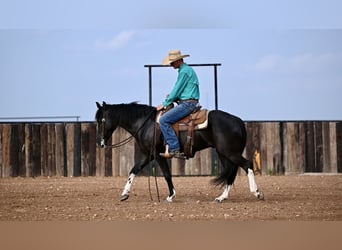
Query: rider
186	93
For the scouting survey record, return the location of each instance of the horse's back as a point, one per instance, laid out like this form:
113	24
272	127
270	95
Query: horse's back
224	118
229	130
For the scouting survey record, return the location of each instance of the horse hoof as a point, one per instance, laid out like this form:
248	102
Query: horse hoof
169	199
124	197
218	200
260	195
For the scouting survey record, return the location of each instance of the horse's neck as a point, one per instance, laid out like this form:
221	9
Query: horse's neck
133	124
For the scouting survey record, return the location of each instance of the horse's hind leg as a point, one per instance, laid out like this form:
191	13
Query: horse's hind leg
225	194
248	167
229	173
168	177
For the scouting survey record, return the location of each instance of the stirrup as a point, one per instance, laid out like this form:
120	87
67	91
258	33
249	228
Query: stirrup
176	154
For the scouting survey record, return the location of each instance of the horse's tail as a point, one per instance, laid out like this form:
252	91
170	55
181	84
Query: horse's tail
229	172
227	175
222	178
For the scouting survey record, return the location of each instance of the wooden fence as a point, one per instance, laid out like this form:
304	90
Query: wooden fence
69	149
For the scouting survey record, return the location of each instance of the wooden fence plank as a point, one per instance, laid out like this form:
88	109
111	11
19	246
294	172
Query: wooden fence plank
273	149
301	149
177	166
206	164
339	146
309	147
108	166
5	138
92	147
193	166
294	147
326	146
77	171
254	143
28	150
318	147
85	161
60	149
333	149
44	149
1	150
261	144
36	148
100	161
88	149
108	162
15	150
51	135
70	154
21	149
73	134
6	145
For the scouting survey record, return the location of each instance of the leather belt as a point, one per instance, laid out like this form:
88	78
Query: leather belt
189	100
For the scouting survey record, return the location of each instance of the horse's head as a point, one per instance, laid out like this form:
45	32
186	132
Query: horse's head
105	125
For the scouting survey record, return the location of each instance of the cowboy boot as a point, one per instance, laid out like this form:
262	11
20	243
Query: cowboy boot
175	153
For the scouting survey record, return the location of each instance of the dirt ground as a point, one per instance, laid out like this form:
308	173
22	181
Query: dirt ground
287	198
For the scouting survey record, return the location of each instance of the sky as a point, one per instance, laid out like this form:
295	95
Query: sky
280	60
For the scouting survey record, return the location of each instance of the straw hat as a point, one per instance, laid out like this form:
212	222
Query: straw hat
173	56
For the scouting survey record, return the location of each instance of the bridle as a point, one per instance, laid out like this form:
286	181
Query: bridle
116	145
123	142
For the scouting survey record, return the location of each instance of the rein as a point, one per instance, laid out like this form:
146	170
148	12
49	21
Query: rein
125	141
153	167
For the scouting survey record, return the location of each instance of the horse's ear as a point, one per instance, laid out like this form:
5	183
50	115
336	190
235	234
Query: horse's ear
104	103
98	105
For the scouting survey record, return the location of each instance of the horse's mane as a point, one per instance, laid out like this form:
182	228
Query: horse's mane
133	109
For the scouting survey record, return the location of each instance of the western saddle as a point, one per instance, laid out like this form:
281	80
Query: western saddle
198	119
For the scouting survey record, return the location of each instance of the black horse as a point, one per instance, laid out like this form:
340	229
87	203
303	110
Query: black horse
224	132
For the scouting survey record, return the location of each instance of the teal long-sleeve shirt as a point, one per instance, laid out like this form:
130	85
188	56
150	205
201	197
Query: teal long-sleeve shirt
186	86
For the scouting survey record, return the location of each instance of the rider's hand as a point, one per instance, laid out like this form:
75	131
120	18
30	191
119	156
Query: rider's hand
160	107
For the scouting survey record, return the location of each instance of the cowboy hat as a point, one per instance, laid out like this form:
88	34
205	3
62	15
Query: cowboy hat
173	56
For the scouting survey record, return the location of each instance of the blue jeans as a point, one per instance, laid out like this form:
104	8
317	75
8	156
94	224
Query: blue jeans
172	116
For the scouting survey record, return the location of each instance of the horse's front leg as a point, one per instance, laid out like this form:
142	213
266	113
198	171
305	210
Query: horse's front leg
135	170
171	195
127	188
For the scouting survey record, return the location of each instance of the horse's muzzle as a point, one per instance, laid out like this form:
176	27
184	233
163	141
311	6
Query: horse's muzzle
102	143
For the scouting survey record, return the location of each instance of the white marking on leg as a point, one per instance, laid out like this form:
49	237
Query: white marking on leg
225	194
252	185
170	198
128	185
